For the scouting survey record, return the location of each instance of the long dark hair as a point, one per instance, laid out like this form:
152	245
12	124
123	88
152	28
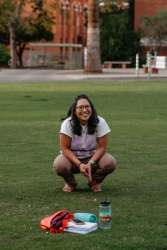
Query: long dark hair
76	126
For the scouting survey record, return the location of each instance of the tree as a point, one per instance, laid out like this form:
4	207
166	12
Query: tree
35	28
118	39
105	5
93	38
24	25
9	16
93	33
154	30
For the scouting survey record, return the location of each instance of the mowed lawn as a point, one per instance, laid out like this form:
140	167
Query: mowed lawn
29	141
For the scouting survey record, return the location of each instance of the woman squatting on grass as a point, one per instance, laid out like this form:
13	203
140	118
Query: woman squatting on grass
83	143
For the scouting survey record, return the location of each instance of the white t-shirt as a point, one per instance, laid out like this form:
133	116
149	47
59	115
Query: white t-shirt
85	145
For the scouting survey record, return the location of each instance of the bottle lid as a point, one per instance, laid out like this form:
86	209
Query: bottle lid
105	202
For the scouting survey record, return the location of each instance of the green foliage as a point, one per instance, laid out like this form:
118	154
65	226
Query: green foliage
4	35
5	18
30	25
29	132
85	14
32	30
118	39
4	56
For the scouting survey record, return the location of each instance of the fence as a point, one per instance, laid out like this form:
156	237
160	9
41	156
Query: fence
58	56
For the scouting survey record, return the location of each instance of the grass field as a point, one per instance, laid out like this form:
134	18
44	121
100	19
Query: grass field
137	190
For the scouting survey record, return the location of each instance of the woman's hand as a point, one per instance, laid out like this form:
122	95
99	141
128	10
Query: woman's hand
86	170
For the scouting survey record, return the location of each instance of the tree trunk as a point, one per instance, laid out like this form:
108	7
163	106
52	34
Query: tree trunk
93	38
20	50
13	64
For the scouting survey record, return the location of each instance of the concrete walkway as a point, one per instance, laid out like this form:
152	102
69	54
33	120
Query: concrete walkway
51	75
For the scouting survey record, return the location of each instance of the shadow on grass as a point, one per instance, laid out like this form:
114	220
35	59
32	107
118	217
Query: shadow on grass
36	100
41	100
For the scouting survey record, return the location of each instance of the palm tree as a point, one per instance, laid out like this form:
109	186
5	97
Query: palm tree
93	38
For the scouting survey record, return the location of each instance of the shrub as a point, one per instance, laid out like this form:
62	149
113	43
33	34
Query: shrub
4	56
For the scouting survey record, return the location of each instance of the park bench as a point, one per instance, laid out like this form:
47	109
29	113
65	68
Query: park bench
109	64
153	69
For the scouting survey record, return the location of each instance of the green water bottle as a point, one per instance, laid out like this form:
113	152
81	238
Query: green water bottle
105	214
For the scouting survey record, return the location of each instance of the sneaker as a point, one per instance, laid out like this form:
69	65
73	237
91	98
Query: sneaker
69	188
94	186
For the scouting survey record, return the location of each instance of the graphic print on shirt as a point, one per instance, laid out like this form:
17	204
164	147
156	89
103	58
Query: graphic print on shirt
84	146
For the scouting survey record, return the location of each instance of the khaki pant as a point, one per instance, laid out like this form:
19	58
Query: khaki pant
66	169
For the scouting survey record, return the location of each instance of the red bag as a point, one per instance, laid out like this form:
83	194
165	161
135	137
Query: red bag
56	222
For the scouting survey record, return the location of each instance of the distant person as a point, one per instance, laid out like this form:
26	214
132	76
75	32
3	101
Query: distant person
152	52
83	143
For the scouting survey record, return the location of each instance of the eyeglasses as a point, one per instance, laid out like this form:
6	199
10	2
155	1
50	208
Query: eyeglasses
87	107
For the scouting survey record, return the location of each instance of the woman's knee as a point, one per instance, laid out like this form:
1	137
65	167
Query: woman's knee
108	163
113	163
57	166
61	164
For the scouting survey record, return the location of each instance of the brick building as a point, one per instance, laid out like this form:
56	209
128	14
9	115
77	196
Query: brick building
73	29
147	7
70	19
69	27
